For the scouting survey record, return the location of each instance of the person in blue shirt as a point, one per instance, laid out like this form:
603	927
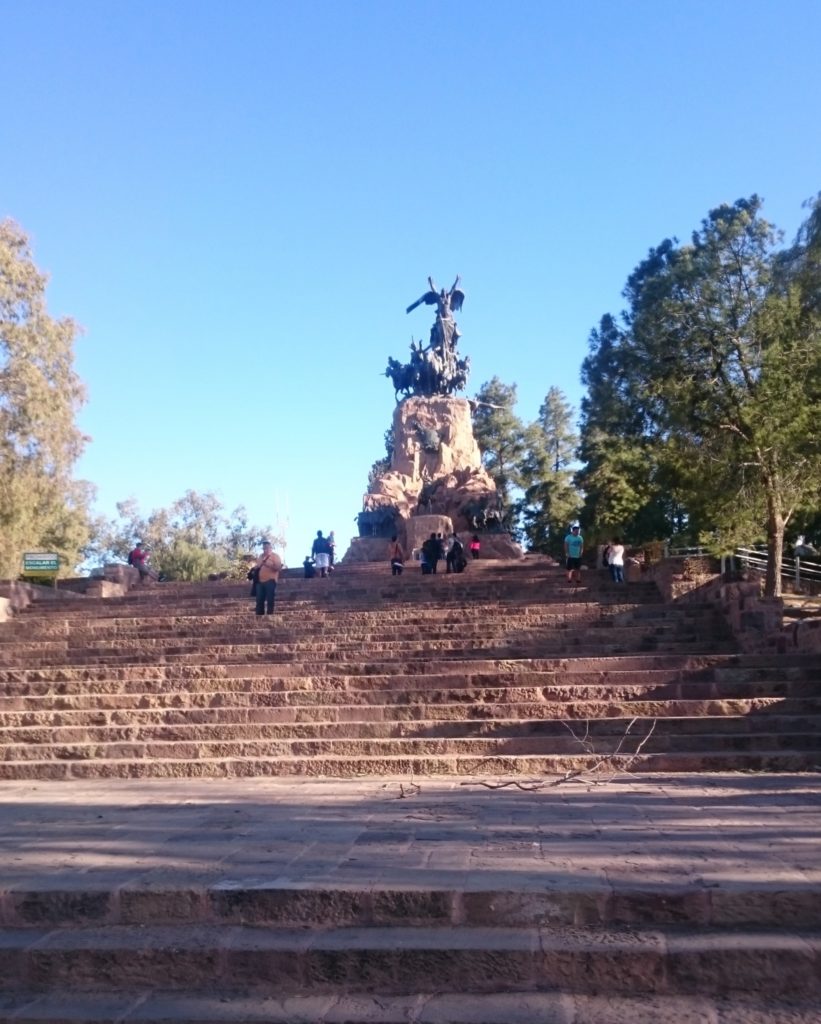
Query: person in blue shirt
573	549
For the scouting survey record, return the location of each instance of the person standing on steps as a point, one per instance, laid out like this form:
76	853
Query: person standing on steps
573	550
440	550
331	551
321	551
475	546
430	551
268	566
616	560
396	556
456	554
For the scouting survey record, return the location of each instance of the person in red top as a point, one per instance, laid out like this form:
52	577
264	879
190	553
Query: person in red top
138	558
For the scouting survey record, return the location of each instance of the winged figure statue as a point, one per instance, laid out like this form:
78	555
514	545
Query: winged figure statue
434	369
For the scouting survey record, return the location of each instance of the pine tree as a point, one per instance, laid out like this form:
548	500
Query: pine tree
500	435
550	500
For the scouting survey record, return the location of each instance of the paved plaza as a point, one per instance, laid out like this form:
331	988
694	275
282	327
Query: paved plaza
695	832
614	859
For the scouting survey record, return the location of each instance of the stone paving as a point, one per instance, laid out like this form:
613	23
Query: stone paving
469	871
691	831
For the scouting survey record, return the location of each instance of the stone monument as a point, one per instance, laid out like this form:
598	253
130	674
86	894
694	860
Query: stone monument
435	482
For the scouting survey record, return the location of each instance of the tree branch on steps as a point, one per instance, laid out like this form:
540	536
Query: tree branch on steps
580	774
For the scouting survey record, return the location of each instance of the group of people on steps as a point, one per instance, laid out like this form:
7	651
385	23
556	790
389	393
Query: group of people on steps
613	556
434	550
265	571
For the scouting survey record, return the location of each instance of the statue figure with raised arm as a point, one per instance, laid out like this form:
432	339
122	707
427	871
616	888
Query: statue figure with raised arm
435	369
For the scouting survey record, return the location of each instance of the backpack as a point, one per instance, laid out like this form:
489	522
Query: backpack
130	558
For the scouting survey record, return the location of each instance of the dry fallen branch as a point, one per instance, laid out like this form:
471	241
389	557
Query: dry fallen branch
526	787
607	759
591	774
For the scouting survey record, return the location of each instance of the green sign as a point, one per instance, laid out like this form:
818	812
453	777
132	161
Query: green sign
40	563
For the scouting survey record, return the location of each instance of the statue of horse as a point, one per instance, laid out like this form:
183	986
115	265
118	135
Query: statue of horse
402	377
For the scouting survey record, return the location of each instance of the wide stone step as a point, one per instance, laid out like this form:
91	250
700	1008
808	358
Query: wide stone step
267	630
355	1007
360	600
119	617
665	961
602	737
750	667
274	654
767	757
363	602
666	724
260	630
467	620
417	674
272	679
475	637
226	902
455	716
549	701
545	701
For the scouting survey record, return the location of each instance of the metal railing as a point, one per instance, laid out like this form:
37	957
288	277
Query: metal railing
798	571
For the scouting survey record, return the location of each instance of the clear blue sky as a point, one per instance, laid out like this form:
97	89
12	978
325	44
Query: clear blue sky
238	201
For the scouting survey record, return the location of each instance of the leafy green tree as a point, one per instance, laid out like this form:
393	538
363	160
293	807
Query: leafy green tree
190	539
182	560
550	500
717	378
500	435
41	505
629	489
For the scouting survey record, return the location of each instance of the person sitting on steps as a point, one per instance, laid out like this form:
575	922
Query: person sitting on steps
138	558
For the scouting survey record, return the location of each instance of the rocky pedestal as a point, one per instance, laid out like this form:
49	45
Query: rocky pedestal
419	528
436	471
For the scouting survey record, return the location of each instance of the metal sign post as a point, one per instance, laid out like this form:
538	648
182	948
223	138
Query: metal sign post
41	563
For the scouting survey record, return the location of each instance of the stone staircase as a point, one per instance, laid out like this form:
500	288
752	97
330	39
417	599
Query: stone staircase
328	905
504	669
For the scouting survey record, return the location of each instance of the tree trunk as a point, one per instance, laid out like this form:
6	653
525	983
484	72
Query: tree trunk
775	547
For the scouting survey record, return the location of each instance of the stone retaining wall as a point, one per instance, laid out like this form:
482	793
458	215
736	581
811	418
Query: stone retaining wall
16	594
756	622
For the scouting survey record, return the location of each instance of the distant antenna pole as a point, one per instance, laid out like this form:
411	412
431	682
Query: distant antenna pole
282	518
